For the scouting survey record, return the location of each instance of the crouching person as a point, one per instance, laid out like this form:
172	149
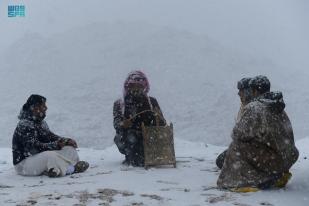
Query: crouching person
136	108
262	149
37	150
245	96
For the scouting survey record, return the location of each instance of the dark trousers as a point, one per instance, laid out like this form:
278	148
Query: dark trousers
130	143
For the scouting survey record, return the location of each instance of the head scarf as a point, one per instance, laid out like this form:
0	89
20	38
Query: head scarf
136	77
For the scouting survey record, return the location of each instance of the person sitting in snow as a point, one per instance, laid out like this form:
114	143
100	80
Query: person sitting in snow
37	150
262	149
245	96
129	113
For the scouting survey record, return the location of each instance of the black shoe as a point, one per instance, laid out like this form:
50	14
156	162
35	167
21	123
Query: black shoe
81	166
52	173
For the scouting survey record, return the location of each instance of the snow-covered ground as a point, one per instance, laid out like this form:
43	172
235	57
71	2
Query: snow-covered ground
107	182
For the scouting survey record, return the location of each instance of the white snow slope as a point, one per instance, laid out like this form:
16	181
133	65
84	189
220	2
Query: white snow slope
77	53
81	72
107	182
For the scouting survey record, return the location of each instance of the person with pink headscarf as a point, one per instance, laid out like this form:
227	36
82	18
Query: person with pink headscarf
135	108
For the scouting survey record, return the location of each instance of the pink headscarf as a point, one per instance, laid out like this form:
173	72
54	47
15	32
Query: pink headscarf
136	77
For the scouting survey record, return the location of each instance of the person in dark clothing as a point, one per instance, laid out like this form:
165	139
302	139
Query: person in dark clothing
263	148
37	150
245	96
136	108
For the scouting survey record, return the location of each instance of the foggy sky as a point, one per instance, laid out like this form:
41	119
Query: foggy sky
274	28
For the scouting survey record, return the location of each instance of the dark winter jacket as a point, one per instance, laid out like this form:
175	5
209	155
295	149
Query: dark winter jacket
32	136
130	140
132	106
263	145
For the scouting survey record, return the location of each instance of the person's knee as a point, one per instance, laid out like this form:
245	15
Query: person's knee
68	148
70	152
132	139
49	154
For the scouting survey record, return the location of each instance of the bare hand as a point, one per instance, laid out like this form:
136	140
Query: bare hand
71	142
61	143
126	123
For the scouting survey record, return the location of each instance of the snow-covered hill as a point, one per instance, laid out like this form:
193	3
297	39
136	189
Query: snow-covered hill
107	182
81	72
